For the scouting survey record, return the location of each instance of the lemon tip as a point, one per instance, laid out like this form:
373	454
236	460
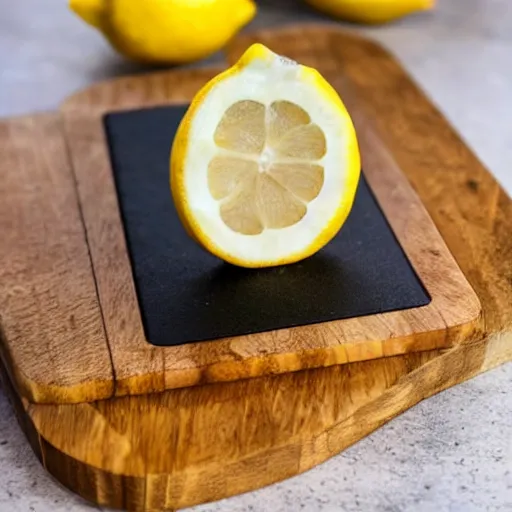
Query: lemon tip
90	11
256	52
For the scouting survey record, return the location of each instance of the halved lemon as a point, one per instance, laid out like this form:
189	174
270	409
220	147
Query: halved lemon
265	164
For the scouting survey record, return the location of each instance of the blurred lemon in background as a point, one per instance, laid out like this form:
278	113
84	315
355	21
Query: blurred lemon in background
166	31
371	11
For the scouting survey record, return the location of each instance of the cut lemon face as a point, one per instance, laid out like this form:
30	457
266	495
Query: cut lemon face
265	163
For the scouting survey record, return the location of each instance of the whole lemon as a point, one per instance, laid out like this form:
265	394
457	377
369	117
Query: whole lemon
166	31
371	12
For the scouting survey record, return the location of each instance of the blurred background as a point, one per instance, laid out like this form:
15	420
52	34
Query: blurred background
460	52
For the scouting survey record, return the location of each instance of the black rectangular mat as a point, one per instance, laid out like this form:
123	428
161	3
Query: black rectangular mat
187	295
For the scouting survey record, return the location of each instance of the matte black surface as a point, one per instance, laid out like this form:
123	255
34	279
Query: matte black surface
187	295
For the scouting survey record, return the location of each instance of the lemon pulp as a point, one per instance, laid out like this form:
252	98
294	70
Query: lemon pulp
266	172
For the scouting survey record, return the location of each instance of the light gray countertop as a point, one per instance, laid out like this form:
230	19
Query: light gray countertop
452	452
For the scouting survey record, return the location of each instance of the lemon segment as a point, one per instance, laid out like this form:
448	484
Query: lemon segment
265	164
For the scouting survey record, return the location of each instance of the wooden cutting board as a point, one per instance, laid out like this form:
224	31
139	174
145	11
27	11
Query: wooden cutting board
81	336
203	443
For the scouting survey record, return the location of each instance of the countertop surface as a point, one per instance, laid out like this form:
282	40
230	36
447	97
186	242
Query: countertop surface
452	452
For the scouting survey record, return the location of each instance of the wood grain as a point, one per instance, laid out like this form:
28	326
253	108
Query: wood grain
451	317
186	446
139	366
52	336
468	206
